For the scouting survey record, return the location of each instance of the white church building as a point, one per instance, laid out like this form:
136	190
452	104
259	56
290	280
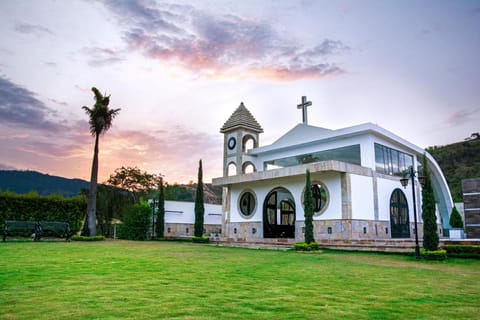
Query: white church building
355	175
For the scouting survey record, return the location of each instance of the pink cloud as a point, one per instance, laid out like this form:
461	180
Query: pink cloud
221	45
462	115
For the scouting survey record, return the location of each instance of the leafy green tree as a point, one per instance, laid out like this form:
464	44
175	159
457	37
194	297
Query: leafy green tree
430	235
455	219
136	222
111	202
100	120
199	206
161	210
136	181
308	207
458	161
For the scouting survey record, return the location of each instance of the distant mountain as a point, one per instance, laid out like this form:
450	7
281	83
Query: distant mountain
31	181
458	161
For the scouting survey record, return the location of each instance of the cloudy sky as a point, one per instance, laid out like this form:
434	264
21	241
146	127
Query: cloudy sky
179	69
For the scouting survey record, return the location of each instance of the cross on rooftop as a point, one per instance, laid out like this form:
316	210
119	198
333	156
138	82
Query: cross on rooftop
304	106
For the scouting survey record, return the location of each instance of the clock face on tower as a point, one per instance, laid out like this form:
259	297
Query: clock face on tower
232	143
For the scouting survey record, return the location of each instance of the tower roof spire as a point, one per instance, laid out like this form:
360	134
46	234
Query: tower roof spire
241	118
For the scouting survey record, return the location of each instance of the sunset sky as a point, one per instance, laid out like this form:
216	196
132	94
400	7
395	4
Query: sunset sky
179	69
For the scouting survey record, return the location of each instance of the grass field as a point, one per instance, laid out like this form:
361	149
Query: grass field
174	280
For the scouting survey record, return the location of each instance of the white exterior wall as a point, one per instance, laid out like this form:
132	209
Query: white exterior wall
296	186
184	212
261	190
334	209
362	197
367	150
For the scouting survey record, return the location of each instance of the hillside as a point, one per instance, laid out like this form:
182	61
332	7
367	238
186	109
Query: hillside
458	161
184	192
31	181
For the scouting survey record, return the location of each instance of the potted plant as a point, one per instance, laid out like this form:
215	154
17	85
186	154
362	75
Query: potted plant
456	224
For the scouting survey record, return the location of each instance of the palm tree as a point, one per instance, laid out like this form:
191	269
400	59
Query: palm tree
100	120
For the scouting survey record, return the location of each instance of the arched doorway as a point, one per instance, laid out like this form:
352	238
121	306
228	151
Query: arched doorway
399	221
279	214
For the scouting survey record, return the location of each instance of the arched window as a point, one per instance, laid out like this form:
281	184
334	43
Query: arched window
279	214
248	167
232	169
399	220
248	142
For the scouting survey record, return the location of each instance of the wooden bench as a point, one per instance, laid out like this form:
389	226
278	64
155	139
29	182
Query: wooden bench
37	229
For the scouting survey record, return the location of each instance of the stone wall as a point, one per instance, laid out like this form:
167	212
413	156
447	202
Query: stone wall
323	230
186	230
471	200
244	231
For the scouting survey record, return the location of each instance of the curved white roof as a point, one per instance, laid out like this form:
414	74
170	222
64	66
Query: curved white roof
304	135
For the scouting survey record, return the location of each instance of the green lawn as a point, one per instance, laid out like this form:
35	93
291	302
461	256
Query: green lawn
174	280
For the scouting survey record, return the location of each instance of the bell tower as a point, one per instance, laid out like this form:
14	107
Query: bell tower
240	130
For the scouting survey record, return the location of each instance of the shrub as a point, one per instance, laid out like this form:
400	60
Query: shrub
455	219
300	246
200	239
303	246
136	222
463	251
84	238
438	255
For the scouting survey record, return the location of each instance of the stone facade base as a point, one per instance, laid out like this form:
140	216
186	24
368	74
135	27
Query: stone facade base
186	230
323	230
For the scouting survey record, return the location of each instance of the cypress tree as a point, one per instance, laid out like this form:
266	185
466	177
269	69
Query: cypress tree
455	219
199	207
430	235
161	210
308	208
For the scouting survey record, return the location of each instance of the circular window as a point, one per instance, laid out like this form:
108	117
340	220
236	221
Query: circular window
247	203
320	197
232	143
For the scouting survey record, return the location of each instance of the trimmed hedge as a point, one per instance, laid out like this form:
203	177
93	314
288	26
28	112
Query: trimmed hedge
84	238
200	239
438	255
32	207
303	246
462	251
